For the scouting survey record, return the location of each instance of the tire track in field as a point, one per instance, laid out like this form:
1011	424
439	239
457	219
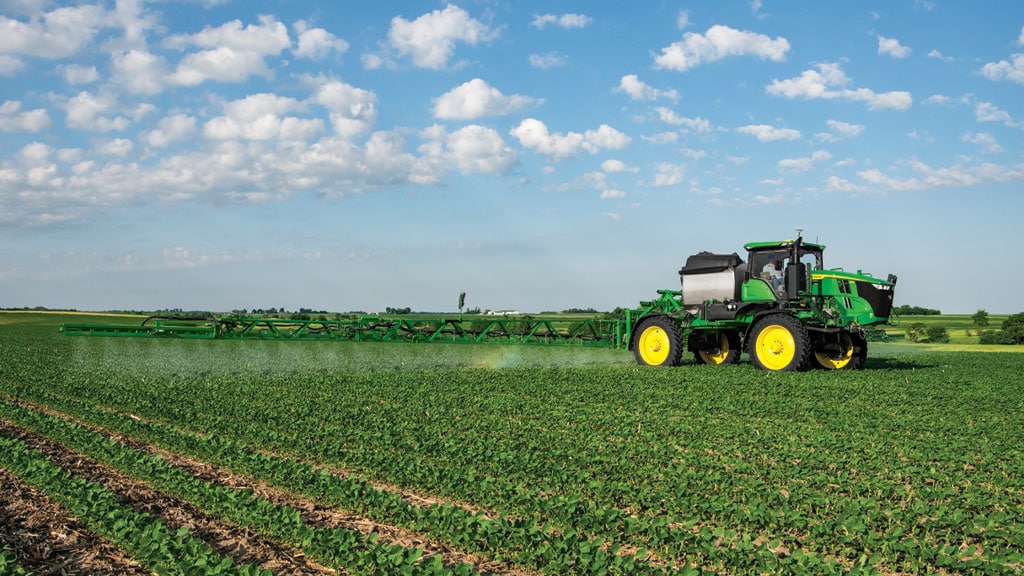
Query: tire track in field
48	540
241	545
313	513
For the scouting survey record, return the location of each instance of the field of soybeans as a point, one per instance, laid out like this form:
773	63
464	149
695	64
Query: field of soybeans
141	456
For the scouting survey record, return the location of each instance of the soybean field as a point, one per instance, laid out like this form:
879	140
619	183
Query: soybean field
140	456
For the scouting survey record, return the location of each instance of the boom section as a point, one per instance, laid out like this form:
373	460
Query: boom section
525	330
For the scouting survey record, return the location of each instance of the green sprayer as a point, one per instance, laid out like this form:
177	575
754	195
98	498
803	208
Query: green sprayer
781	305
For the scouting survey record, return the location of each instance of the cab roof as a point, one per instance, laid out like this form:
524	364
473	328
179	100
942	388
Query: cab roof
781	244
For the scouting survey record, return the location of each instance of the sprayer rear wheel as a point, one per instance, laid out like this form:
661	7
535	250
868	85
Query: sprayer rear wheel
658	342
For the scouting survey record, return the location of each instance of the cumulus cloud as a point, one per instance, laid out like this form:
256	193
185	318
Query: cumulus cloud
567	21
983	140
534	134
668	174
892	47
233	52
1011	70
637	90
76	74
669	116
262	117
14	119
717	43
766	133
804	164
613	166
139	71
477	99
172	129
316	43
476	149
352	110
101	112
430	39
829	82
840	131
988	112
60	33
549	60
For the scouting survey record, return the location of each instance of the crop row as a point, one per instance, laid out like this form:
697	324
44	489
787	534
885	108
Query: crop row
909	466
147	539
515	541
338	547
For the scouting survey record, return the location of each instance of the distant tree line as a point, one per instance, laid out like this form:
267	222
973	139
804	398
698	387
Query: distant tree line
907	310
1011	331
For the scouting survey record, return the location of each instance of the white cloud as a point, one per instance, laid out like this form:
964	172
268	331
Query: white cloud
549	60
480	149
717	43
59	33
840	131
567	21
766	133
988	112
9	65
477	99
612	194
668	174
352	110
233	53
172	129
613	216
1012	70
670	117
14	119
985	141
76	74
316	43
803	164
892	47
939	56
116	147
613	166
139	71
637	90
262	117
101	113
430	39
534	134
829	81
683	20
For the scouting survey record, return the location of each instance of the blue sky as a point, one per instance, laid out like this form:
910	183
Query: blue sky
223	154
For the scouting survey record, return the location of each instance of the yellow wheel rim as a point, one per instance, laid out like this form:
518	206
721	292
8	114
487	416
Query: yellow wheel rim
837	362
718	356
654	345
775	347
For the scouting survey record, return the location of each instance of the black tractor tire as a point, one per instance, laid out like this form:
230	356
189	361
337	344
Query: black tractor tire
658	342
842	351
779	342
715	347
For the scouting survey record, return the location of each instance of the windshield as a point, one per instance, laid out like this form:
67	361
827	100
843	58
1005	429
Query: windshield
770	264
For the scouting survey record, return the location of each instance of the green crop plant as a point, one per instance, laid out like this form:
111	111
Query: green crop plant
911	465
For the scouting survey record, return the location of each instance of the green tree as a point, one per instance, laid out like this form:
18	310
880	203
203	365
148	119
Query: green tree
980	319
916	331
1013	328
937	334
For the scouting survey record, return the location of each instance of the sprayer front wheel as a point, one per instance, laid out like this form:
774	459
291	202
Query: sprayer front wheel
722	347
658	342
779	342
843	351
